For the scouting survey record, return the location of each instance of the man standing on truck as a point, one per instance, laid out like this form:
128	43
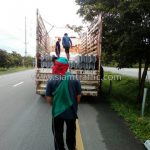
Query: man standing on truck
63	92
57	47
67	43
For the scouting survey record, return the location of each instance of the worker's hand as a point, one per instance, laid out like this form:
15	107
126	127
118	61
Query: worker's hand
49	99
78	98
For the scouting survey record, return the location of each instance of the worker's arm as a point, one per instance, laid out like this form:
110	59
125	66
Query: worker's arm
49	90
78	98
49	99
70	42
78	90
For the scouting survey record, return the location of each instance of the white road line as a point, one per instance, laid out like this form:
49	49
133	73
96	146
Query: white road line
18	84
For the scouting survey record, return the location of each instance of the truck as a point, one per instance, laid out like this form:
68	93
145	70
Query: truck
85	66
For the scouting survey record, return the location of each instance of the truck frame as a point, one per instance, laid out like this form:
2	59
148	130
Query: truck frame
90	45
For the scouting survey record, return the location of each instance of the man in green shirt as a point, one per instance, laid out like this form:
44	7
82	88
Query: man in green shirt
63	92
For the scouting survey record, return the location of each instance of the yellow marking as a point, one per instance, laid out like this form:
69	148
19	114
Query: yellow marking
79	142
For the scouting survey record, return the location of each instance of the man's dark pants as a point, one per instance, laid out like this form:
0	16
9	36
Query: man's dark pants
67	49
58	127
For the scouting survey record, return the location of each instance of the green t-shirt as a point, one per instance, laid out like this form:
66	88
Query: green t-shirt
64	93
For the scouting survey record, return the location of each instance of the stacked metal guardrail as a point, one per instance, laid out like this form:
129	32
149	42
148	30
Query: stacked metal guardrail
46	61
84	62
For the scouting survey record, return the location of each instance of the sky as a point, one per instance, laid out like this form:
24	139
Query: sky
12	21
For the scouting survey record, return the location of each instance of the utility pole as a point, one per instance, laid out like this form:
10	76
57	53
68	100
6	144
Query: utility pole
23	61
25	38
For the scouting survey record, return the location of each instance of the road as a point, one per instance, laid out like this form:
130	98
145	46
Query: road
25	120
133	72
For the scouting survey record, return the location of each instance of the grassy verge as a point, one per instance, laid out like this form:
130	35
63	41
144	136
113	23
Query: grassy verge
12	70
123	99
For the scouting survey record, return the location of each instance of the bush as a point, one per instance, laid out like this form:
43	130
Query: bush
123	99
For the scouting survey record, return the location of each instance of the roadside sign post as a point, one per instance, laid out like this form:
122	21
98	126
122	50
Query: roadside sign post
143	103
147	144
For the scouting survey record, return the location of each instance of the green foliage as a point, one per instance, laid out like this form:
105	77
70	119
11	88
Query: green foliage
126	34
3	58
88	9
9	60
12	70
125	28
77	29
28	61
16	59
123	100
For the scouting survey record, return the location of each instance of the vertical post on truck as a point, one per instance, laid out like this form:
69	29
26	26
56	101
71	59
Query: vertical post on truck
99	39
37	39
99	45
42	55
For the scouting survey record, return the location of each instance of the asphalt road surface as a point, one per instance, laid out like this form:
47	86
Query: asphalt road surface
25	120
133	72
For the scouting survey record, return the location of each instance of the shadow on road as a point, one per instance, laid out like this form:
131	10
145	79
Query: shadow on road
115	131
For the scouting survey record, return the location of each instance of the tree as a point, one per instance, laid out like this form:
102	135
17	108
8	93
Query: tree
126	34
77	29
9	61
13	59
3	58
17	59
28	61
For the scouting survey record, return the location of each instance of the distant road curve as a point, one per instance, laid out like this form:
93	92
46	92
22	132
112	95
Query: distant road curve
133	72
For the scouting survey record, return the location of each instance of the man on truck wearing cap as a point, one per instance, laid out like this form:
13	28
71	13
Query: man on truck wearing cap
63	92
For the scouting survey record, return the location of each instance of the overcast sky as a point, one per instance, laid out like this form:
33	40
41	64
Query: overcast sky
12	20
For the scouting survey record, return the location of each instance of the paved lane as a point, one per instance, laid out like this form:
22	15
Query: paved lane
25	120
103	129
92	136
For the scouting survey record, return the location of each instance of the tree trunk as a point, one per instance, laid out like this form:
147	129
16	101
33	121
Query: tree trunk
140	68
142	83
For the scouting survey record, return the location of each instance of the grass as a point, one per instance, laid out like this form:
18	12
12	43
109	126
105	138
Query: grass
12	70
123	99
